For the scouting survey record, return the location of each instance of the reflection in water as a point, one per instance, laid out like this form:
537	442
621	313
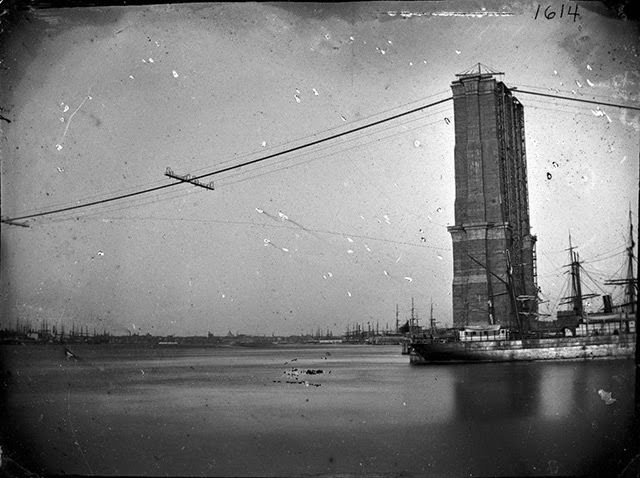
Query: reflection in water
228	412
540	390
495	391
549	417
554	404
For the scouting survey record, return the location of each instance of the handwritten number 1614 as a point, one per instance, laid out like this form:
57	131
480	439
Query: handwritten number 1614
549	13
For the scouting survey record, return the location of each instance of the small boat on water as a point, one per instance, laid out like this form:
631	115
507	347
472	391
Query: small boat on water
574	335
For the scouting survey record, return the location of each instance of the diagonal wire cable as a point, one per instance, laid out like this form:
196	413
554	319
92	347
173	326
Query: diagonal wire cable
581	100
229	179
229	168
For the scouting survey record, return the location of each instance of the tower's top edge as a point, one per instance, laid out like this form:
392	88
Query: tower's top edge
479	70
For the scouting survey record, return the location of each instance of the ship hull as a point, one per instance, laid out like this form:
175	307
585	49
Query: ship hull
557	348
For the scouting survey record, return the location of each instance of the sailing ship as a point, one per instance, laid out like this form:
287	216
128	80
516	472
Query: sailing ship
575	334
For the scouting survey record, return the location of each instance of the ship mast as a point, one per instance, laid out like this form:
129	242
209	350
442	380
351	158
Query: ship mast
577	297
576	285
413	318
432	321
629	281
512	294
510	290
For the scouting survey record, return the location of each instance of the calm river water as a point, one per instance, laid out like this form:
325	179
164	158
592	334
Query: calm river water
230	412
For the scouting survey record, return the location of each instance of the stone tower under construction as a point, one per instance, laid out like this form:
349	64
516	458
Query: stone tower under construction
494	273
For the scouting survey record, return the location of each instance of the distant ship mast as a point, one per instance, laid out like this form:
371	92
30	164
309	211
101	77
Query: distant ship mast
577	297
630	280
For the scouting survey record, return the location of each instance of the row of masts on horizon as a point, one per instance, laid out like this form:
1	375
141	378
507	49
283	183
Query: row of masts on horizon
46	329
411	325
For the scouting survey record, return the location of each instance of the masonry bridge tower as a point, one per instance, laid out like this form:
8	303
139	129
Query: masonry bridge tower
494	274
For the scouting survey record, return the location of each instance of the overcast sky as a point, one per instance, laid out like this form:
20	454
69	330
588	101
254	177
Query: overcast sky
102	100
